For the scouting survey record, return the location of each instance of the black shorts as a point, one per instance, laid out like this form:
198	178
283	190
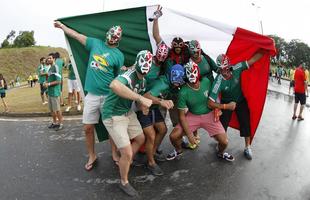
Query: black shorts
2	95
300	97
43	89
154	116
243	115
292	83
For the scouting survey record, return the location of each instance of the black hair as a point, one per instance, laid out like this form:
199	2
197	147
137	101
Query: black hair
52	54
42	58
56	55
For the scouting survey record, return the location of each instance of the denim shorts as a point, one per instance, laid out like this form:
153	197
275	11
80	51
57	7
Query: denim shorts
154	116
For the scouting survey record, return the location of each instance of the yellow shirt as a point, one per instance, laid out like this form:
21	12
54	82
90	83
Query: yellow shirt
307	75
292	73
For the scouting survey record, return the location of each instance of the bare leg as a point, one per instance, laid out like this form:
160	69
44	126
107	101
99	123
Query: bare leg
90	142
295	109
222	142
176	138
300	110
124	163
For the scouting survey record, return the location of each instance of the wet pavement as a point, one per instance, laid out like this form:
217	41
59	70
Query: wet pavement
38	163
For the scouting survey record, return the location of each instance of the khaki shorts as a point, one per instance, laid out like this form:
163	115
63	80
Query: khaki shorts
92	108
54	103
123	128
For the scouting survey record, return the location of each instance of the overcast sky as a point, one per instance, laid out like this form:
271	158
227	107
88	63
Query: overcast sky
287	19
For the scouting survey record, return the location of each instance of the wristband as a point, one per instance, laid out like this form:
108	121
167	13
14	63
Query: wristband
224	106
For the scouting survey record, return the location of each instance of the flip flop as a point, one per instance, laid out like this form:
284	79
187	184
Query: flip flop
300	119
294	117
90	166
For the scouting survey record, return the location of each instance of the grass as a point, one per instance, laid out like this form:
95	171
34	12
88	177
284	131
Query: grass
24	61
28	100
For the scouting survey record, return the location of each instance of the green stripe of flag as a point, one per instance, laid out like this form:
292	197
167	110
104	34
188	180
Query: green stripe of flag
135	38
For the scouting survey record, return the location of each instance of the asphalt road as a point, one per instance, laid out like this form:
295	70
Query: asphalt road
37	163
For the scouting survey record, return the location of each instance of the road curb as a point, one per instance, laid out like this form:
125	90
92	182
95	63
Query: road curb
38	114
75	113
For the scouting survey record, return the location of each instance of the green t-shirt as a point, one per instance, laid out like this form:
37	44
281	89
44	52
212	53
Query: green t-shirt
152	76
195	100
54	75
42	69
71	75
60	63
230	89
161	87
207	68
115	105
103	66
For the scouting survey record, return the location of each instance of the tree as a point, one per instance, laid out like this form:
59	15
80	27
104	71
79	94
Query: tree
281	46
298	52
7	42
24	39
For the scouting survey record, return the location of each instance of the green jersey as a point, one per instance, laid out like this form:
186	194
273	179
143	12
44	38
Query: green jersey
196	100
60	63
152	76
206	68
115	105
42	71
230	89
103	66
71	75
54	75
161	87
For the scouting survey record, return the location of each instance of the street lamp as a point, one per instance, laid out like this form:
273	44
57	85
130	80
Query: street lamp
259	18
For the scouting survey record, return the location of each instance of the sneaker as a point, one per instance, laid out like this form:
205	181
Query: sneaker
128	189
68	109
185	144
52	125
79	107
174	154
248	153
59	127
226	156
155	169
45	102
160	157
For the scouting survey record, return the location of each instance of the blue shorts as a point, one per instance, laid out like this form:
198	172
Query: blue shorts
2	95
154	116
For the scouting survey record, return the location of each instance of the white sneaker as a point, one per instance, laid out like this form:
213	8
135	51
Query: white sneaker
45	102
79	107
68	109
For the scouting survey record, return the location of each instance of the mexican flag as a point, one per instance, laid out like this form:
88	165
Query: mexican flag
215	38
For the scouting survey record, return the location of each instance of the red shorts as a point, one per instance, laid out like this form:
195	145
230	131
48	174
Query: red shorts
205	121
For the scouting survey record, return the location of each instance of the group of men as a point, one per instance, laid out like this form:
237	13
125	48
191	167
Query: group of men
44	72
133	101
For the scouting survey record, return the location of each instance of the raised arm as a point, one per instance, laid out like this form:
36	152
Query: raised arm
121	90
72	33
256	57
156	34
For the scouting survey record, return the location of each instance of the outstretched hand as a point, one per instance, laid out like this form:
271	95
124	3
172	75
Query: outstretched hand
58	24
